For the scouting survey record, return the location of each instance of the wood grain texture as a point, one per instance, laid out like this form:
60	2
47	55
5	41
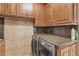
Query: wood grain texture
54	14
1	9
26	9
65	52
58	52
63	13
32	10
77	49
73	50
49	15
22	9
18	9
68	51
59	14
40	15
10	9
2	48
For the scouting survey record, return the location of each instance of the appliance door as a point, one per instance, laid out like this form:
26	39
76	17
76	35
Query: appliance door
46	49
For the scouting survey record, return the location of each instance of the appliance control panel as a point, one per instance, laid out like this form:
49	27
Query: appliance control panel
47	44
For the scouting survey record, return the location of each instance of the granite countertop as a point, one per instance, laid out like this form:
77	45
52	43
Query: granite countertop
57	40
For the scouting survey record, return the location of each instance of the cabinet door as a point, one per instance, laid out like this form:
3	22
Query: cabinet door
2	48
73	50
26	10
10	9
1	8
63	13
77	48
31	10
65	51
22	9
49	15
40	15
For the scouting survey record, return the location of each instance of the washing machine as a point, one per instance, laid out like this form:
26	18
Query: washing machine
45	48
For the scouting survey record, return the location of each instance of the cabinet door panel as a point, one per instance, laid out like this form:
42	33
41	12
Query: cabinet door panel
64	13
10	8
65	51
26	9
69	51
22	9
31	10
73	50
49	15
1	8
40	15
2	47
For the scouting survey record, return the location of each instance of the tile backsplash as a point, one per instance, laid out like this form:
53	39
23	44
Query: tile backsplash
64	31
40	30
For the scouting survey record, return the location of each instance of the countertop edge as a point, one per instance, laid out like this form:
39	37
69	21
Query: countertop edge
62	45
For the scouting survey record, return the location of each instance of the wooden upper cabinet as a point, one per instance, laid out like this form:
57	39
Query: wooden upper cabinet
10	9
49	17
66	52
22	9
1	8
26	9
51	14
63	13
31	10
40	15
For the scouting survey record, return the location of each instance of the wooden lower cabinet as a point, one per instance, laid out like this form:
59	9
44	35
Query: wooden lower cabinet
67	51
77	49
2	46
73	50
